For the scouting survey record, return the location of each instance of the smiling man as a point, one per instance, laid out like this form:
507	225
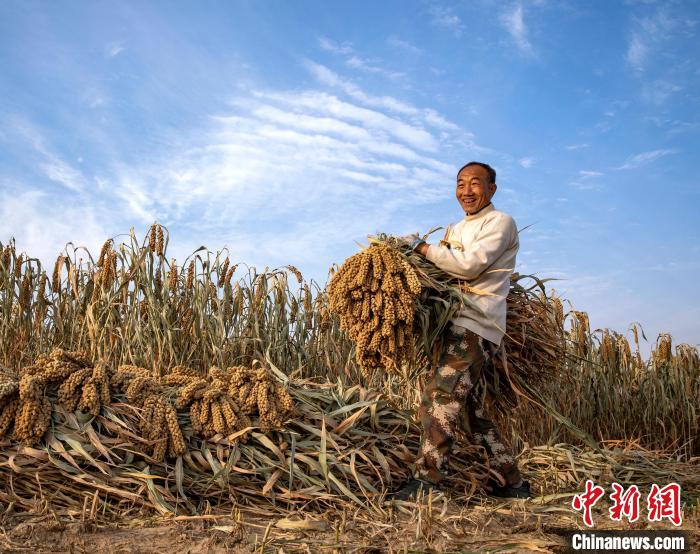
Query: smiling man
480	250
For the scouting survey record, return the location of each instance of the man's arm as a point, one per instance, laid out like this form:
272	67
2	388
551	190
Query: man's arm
495	238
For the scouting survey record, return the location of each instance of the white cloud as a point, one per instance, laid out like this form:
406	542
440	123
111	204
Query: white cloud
444	17
332	46
585	185
527	163
645	158
586	174
514	23
371	67
114	49
60	172
400	44
278	176
355	61
659	91
31	217
43	155
433	118
576	146
300	157
412	135
648	33
636	52
332	79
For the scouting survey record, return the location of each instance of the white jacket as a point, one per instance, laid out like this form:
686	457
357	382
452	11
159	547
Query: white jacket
482	253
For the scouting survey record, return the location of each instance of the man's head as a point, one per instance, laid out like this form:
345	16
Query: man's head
476	184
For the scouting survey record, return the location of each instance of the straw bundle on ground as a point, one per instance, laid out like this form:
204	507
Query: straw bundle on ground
341	444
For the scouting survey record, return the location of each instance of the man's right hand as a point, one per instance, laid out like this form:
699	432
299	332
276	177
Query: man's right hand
411	241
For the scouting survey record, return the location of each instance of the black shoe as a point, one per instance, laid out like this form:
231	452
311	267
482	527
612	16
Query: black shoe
509	491
411	489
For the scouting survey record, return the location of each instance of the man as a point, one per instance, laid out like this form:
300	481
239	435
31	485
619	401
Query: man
481	250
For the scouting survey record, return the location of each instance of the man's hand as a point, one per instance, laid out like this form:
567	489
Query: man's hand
422	249
414	241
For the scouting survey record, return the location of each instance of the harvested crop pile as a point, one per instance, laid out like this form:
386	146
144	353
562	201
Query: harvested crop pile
374	293
343	444
219	404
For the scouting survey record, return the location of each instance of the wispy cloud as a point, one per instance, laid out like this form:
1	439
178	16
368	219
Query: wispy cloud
369	66
636	52
443	16
584	173
673	126
268	176
355	61
576	146
330	78
114	49
658	92
51	164
526	162
400	44
585	184
427	116
512	20
335	47
649	32
645	158
43	225
60	172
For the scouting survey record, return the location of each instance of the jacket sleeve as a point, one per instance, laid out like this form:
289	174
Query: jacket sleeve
494	239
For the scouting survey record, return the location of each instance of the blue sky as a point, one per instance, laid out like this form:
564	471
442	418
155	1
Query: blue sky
288	131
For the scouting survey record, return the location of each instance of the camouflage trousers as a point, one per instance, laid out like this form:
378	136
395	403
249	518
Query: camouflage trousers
453	399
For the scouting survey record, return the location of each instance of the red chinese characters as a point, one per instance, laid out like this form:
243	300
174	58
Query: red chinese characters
625	503
665	503
586	500
662	503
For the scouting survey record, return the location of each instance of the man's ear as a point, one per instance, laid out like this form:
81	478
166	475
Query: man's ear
493	187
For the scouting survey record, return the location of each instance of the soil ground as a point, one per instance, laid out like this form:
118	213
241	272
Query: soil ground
441	525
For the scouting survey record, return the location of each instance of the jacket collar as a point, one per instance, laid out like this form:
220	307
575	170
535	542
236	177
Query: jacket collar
481	213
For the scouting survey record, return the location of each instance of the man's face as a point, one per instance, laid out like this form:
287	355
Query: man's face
473	188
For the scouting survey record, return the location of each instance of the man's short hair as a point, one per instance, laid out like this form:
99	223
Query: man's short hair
491	171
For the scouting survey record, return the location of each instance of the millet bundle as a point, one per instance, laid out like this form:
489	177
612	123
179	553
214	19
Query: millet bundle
222	402
33	409
86	389
158	416
374	293
9	399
